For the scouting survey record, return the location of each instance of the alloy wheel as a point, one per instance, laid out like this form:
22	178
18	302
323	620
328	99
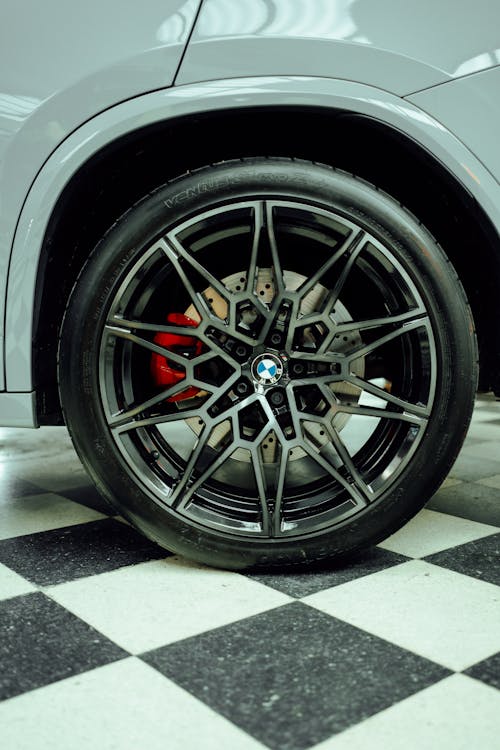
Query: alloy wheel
267	368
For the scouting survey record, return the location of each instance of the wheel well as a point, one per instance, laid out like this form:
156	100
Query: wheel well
130	167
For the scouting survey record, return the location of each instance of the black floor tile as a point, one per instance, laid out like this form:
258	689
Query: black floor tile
73	552
309	582
494	421
487	671
478	559
470	500
12	487
89	496
293	676
41	642
471	440
471	468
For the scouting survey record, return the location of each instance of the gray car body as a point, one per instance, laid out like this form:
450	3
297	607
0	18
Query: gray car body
76	78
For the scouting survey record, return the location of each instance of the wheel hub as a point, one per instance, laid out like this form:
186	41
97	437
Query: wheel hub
267	369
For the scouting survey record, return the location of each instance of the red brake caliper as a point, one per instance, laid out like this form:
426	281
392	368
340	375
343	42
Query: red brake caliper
163	372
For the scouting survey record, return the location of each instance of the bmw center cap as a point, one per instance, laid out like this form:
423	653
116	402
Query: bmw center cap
267	369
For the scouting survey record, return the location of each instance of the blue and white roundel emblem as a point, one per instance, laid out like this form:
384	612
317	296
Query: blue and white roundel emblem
267	369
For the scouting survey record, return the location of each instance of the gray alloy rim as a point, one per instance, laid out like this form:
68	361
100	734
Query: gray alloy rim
305	373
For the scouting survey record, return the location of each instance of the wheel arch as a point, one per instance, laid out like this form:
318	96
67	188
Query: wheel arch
379	138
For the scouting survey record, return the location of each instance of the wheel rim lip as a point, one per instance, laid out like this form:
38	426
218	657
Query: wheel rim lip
149	483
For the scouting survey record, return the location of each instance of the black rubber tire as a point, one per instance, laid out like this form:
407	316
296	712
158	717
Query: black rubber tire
431	271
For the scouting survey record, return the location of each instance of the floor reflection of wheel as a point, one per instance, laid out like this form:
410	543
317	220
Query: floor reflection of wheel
267	362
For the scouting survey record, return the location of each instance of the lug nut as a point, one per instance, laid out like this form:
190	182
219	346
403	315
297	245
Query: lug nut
276	398
242	387
276	338
241	351
297	368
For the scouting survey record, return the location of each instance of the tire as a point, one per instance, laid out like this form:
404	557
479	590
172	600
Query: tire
267	363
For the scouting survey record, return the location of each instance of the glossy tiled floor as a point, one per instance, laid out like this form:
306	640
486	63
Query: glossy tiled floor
107	642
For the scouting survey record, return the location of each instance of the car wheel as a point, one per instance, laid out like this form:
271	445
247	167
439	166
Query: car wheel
267	363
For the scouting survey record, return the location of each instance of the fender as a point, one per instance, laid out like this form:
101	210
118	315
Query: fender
69	63
191	99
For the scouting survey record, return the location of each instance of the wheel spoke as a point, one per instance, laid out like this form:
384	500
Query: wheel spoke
179	359
274	424
348	246
258	228
138	325
177	248
279	281
346	458
264	252
185	477
124	419
341	449
180	492
319	380
123	327
199	302
261	484
412	325
375	411
362	325
355	496
188	363
351	248
419	411
353	251
280	487
134	424
183	502
232	299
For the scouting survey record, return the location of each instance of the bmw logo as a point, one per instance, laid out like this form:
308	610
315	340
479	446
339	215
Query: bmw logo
267	369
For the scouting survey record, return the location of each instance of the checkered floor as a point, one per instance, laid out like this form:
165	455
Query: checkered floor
107	642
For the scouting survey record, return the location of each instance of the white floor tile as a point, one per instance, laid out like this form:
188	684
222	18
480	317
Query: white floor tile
11	584
431	532
20	444
457	713
122	706
34	513
437	613
149	605
45	457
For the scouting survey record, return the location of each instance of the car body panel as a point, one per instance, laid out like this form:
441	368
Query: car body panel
79	77
470	107
186	100
62	63
18	409
400	47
